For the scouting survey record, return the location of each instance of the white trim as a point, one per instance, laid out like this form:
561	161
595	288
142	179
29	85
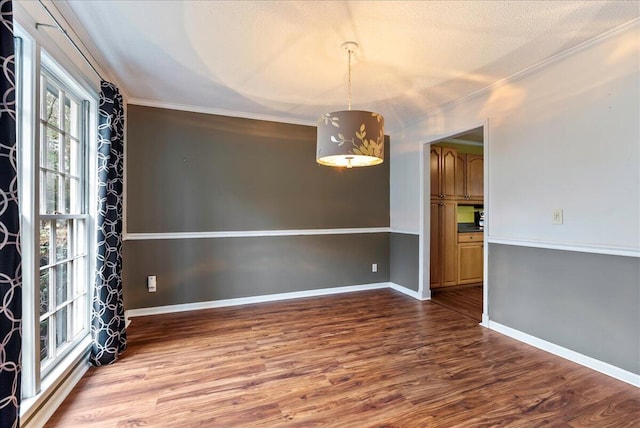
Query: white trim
424	203
221	112
485	320
411	293
405	232
252	233
56	386
156	310
576	357
569	246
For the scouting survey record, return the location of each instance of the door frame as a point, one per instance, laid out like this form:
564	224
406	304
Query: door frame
424	289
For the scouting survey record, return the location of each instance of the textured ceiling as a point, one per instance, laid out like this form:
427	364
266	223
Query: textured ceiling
283	59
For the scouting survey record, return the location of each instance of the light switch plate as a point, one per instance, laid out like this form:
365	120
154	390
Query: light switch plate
556	216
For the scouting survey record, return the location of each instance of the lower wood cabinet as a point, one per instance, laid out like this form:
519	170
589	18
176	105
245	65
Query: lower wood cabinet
470	258
444	230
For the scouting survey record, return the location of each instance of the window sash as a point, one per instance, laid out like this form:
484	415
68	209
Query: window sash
62	317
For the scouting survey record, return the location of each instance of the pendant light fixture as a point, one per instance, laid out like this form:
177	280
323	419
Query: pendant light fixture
350	138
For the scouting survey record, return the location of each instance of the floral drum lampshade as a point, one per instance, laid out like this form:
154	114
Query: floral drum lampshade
350	138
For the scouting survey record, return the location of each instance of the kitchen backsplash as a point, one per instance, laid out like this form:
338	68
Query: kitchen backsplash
465	213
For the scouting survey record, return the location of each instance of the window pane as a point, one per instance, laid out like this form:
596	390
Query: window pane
72	157
61	326
80	278
45	233
61	283
52	150
67	155
62	239
79	315
51	192
67	196
75	203
52	107
44	291
79	238
44	339
71	116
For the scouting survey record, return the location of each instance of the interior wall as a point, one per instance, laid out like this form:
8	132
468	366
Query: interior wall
563	135
587	302
205	174
404	260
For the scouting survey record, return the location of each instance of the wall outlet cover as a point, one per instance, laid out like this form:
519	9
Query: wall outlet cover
151	283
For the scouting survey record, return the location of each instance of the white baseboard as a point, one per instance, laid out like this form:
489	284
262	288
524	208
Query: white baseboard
252	299
485	320
576	357
405	290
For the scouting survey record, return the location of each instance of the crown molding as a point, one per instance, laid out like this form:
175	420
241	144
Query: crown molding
526	71
220	112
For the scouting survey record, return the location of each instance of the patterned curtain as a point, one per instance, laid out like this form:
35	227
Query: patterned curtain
10	256
107	318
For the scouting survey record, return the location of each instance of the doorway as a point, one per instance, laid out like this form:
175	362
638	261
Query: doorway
456	225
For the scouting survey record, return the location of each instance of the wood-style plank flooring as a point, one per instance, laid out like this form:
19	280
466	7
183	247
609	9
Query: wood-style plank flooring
465	299
368	359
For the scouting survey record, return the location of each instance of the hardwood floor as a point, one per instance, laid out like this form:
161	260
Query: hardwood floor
364	359
465	299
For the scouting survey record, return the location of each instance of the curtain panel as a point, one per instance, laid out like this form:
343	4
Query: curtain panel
107	318
10	256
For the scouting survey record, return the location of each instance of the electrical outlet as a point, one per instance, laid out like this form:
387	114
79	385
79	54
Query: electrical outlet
151	283
556	216
374	267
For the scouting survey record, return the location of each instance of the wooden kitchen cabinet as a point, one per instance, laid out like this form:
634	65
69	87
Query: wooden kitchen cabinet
470	258
443	166
443	255
469	177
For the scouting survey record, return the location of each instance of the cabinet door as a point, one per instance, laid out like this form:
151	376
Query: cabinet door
470	263
475	177
435	258
449	244
436	171
461	176
448	174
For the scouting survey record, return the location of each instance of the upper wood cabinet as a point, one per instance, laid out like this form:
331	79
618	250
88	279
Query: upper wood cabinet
443	172
470	177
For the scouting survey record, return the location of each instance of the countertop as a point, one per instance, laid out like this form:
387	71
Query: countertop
469	228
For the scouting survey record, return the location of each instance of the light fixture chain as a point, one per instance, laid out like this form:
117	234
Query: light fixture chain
349	82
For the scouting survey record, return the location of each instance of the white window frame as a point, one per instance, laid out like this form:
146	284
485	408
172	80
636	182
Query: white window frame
38	385
73	298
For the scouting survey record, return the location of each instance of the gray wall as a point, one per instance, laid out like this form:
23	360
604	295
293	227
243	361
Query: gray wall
192	172
404	258
589	303
194	270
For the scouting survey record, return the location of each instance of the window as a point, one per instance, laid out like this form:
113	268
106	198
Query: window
62	221
57	135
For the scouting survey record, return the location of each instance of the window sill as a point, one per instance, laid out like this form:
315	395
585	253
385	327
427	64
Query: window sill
34	411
